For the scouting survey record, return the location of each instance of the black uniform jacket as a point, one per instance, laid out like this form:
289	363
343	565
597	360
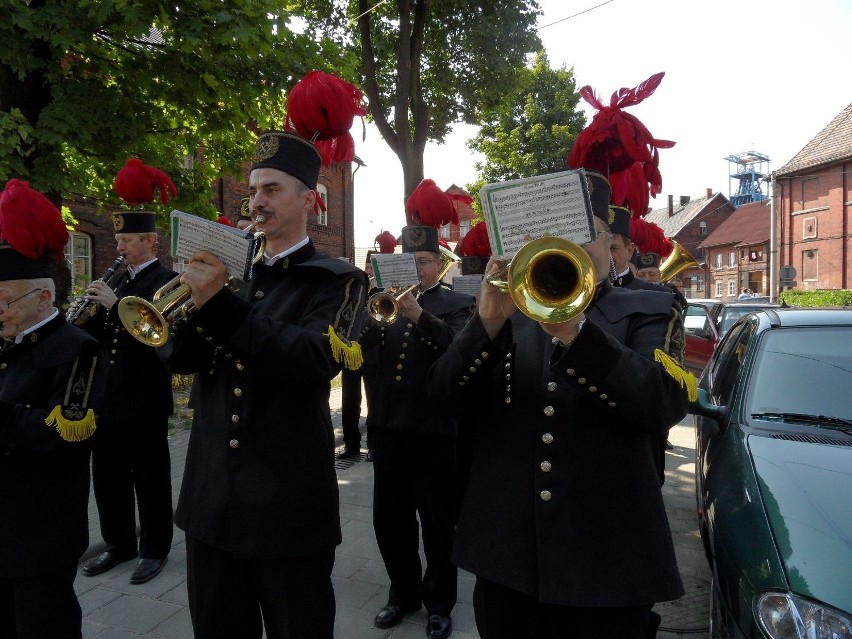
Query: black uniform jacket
563	501
44	479
260	479
630	281
138	383
404	355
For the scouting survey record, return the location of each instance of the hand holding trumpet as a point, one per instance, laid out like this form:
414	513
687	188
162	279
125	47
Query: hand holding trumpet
205	275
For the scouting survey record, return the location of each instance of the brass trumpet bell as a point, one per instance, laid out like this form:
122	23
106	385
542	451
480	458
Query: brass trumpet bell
551	280
678	260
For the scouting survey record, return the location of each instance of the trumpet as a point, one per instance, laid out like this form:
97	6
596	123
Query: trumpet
84	307
678	260
383	306
150	322
550	279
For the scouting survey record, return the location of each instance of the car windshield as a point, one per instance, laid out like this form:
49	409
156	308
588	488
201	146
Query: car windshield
803	371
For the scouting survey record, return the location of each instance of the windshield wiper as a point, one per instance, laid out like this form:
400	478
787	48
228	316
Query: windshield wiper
822	421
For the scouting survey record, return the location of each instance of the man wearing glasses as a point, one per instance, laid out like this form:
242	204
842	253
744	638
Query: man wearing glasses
51	381
414	443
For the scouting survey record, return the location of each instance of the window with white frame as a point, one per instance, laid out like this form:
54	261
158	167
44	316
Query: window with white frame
322	216
445	232
464	227
732	258
732	287
718	260
78	254
702	228
718	288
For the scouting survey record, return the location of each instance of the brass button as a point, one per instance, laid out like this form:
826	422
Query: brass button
238	392
405	344
507	366
548	410
545	495
4	366
551	386
477	361
258	295
508	387
484	354
399	378
114	351
235	419
581	380
546	466
508	377
406	334
115	340
611	404
472	369
234	443
508	356
402	356
593	389
569	371
399	367
604	396
508	400
198	329
240	366
466	378
547	438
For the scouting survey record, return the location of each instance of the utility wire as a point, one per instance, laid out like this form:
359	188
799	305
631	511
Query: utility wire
573	16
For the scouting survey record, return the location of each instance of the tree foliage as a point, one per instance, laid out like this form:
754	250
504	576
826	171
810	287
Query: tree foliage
531	135
176	83
427	64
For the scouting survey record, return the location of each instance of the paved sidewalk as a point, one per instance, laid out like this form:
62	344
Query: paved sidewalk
113	609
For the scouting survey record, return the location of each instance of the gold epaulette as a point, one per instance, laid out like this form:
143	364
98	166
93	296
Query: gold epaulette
73	419
344	351
687	380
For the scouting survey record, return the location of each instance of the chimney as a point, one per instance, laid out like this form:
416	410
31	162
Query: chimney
709	192
684	200
671	205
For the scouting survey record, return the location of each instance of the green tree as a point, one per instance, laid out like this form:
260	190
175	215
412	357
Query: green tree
532	135
427	64
85	84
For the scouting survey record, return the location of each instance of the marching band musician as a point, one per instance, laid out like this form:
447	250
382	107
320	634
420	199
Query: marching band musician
131	450
259	501
51	381
559	538
413	441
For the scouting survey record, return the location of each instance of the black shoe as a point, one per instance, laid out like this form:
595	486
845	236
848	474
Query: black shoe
391	615
669	445
146	570
105	561
439	627
349	453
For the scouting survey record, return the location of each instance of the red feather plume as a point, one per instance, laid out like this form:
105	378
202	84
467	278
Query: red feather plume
224	219
30	223
620	147
649	238
430	206
137	182
476	242
385	241
321	108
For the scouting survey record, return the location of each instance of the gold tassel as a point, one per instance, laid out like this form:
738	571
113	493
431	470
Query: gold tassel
685	378
72	431
345	351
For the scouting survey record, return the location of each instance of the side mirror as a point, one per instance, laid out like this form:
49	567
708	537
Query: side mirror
705	408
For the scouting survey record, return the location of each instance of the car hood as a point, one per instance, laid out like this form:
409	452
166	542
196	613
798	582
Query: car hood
807	493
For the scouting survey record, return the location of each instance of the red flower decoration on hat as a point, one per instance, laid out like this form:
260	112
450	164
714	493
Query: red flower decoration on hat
476	242
321	108
385	241
649	238
430	206
30	223
224	219
620	147
137	182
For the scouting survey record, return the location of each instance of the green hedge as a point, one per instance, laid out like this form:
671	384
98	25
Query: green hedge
816	298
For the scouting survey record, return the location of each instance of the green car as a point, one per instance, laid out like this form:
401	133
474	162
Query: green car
774	475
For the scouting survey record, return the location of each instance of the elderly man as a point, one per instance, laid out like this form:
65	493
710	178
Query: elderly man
51	380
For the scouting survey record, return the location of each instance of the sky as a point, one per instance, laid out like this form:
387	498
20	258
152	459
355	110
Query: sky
744	75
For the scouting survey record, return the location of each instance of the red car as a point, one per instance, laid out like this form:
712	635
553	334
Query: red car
706	322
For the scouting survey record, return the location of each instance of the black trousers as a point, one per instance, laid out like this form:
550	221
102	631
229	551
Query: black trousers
503	613
414	475
351	408
43	607
133	455
228	598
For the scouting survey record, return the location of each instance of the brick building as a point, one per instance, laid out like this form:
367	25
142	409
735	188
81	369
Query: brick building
92	246
737	253
689	222
813	206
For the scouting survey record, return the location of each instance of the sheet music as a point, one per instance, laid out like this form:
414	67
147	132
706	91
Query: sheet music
394	269
517	211
468	284
234	247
